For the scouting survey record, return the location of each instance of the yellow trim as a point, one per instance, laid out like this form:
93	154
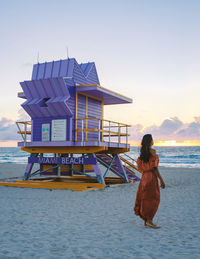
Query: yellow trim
87	85
116	93
90	96
76	112
106	131
86	117
79	130
114	150
95	118
54	185
24	122
20	93
65	150
23	132
87	179
102	117
76	167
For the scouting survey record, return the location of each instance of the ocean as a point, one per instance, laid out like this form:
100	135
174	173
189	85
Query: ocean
185	157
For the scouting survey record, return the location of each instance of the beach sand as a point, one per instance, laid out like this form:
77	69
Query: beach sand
38	223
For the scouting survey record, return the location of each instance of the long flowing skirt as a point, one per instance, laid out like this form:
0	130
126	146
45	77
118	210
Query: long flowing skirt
148	196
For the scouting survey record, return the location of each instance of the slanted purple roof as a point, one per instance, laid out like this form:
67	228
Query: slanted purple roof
108	96
46	97
81	74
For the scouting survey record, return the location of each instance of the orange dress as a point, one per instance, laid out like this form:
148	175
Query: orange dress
148	193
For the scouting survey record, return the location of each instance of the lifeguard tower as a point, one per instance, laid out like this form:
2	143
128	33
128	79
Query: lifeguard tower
68	135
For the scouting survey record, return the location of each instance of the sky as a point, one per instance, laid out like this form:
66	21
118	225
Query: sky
147	50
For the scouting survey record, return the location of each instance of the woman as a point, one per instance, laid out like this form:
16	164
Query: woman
148	194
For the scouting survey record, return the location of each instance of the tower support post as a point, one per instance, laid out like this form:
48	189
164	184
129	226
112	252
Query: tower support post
98	171
121	168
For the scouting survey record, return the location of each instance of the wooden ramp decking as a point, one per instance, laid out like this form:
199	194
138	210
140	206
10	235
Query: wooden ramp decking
76	183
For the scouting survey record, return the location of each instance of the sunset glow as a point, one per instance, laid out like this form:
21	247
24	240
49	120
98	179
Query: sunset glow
8	144
175	143
171	143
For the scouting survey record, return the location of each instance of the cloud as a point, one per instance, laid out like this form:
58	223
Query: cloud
8	130
23	116
170	129
8	127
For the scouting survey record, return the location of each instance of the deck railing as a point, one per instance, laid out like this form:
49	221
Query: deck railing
106	129
25	130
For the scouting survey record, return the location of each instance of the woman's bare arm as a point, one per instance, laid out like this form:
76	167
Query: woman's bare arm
162	183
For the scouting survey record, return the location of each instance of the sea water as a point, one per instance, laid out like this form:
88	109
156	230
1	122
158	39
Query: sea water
187	157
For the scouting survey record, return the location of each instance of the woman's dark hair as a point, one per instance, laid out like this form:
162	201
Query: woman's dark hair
145	148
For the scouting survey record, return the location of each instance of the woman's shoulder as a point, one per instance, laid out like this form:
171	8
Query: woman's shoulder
153	152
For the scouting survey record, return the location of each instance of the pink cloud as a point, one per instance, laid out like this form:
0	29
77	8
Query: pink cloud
170	129
8	130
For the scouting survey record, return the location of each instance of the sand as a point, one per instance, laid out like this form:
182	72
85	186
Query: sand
38	223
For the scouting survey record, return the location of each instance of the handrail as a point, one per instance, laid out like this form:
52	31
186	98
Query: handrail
103	129
127	162
96	118
24	132
129	157
23	122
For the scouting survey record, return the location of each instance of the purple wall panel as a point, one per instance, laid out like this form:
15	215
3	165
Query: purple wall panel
94	110
86	67
63	86
70	67
71	102
78	75
35	107
52	109
41	71
47	88
90	73
64	68
37	127
92	77
83	67
26	90
33	89
53	106
81	113
66	109
31	113
39	87
34	72
56	68
55	86
48	70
